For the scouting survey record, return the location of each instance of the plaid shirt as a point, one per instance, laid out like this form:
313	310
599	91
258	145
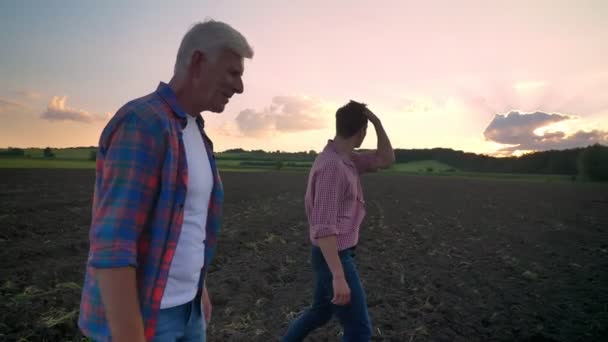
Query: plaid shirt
140	190
334	197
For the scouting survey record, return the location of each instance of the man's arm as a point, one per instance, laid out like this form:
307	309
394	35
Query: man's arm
384	150
323	223
329	248
128	179
120	300
207	306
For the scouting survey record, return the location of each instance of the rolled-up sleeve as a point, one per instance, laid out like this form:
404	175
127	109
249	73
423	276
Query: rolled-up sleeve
324	217
365	161
128	173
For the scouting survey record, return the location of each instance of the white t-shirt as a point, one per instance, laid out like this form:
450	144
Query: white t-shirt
189	257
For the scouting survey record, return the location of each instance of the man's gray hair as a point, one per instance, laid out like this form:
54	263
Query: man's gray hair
210	37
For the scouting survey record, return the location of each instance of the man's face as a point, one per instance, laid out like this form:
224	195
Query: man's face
361	136
219	80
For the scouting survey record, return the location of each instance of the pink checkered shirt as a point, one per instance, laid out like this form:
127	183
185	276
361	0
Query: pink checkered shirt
334	197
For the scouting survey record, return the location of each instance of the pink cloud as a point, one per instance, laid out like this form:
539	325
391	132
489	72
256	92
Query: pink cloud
10	105
58	110
285	114
517	129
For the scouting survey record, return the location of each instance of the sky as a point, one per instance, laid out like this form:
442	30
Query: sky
492	77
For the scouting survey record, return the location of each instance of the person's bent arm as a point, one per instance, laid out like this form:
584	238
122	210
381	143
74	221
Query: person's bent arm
384	150
128	175
329	248
120	300
324	220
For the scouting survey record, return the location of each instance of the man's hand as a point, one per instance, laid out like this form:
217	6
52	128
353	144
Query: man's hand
206	305
371	117
384	151
341	291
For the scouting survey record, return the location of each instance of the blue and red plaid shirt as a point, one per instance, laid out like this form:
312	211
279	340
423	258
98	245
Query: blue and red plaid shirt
140	190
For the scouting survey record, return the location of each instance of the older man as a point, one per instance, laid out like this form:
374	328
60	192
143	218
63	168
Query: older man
158	198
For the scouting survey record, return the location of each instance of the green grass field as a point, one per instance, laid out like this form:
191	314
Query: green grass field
41	163
78	158
423	166
79	153
435	168
72	161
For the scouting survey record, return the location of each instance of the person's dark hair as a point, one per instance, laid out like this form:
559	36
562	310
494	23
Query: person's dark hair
350	118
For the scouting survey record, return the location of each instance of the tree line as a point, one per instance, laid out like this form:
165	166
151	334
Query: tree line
590	163
587	163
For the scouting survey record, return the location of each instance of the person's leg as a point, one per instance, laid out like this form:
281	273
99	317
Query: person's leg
171	324
354	316
195	326
320	311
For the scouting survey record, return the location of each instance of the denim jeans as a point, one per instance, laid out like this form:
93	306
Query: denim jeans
353	317
182	323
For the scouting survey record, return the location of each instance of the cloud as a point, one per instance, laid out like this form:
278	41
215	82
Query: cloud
582	96
524	131
228	129
28	94
422	104
57	110
512	127
10	105
285	114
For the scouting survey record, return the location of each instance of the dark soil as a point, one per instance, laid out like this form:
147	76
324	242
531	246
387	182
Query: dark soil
442	259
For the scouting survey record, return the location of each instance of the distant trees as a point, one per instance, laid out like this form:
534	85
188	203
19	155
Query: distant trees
12	152
593	163
48	153
234	150
549	162
590	163
261	155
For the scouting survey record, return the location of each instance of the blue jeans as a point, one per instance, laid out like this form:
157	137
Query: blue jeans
353	317
182	323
